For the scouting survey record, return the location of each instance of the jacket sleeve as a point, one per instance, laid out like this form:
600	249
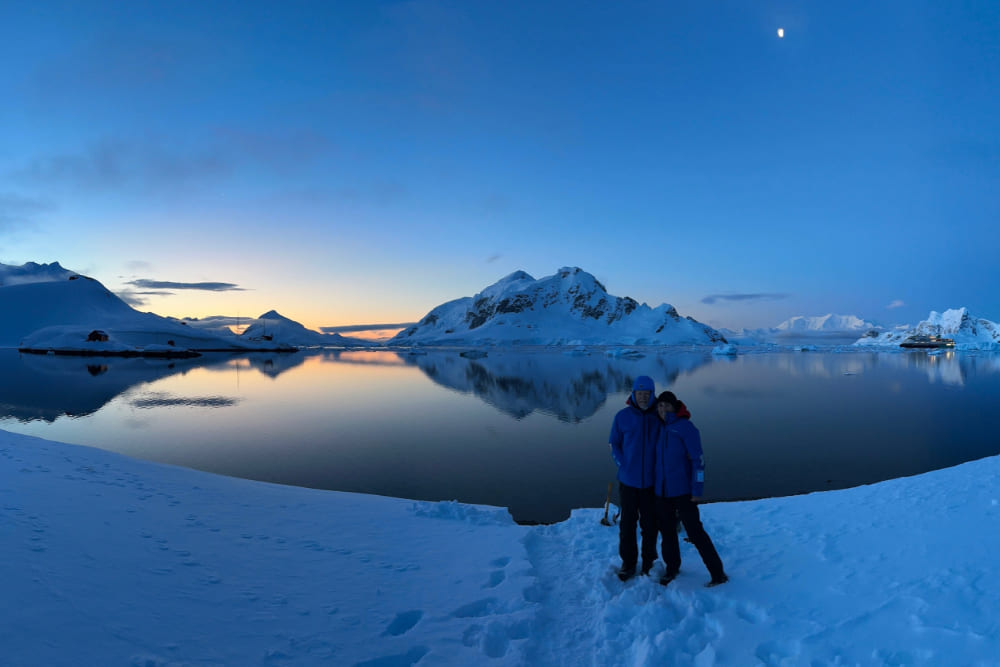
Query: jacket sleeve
615	440
692	444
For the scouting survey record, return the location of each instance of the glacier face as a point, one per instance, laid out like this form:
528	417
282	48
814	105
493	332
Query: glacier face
569	307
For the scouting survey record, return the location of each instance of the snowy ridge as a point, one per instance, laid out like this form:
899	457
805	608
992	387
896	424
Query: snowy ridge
299	576
32	272
568	308
969	332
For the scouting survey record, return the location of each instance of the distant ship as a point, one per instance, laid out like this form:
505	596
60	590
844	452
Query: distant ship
927	341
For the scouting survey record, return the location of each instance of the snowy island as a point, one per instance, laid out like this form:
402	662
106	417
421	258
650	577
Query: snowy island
570	307
114	561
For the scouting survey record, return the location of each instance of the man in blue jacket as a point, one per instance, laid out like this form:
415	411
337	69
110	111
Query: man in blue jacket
634	433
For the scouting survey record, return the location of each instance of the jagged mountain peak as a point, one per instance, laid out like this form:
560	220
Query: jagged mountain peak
32	272
570	306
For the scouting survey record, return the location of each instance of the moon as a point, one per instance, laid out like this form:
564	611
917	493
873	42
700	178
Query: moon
781	33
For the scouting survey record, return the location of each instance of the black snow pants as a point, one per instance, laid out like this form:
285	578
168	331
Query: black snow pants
638	506
687	511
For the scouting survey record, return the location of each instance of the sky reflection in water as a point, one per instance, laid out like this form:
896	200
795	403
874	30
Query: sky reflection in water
526	430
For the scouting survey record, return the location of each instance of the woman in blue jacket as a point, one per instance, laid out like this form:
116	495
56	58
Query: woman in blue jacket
679	481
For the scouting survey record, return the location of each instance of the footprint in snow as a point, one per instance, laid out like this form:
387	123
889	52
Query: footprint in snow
403	623
477	609
496	578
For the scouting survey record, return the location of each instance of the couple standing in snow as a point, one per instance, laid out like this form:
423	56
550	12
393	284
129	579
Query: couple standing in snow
661	475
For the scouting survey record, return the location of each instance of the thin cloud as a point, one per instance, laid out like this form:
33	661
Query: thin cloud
132	298
493	258
898	303
17	211
162	164
138	265
713	298
381	193
217	321
351	328
167	284
114	164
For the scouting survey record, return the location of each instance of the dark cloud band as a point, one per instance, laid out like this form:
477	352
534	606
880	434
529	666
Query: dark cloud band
167	284
713	298
365	327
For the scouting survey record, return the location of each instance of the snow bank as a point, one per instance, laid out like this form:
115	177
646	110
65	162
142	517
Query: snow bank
130	562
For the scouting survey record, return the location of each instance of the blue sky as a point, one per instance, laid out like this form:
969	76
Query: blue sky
363	162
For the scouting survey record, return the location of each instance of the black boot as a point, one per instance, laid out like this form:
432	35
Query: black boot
625	572
668	577
717	580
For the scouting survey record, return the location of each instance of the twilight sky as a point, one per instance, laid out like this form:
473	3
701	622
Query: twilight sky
362	162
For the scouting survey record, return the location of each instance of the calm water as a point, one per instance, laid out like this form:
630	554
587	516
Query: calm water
524	429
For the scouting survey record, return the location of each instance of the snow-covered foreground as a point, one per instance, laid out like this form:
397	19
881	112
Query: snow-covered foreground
113	561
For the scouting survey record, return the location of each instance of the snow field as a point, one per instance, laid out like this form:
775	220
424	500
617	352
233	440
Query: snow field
113	561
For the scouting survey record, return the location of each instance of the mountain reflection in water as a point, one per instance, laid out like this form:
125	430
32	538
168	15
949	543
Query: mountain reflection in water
525	429
568	387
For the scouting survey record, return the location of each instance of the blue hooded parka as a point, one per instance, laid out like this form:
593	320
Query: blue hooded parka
680	462
634	433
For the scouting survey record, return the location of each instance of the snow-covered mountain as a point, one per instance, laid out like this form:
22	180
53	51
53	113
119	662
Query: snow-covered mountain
969	332
825	323
48	305
568	308
272	326
828	329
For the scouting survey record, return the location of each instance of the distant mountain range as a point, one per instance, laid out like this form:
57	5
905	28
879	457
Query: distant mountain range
825	323
570	307
826	328
48	306
968	332
45	306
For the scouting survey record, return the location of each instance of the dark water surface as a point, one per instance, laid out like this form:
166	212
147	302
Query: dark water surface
524	429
